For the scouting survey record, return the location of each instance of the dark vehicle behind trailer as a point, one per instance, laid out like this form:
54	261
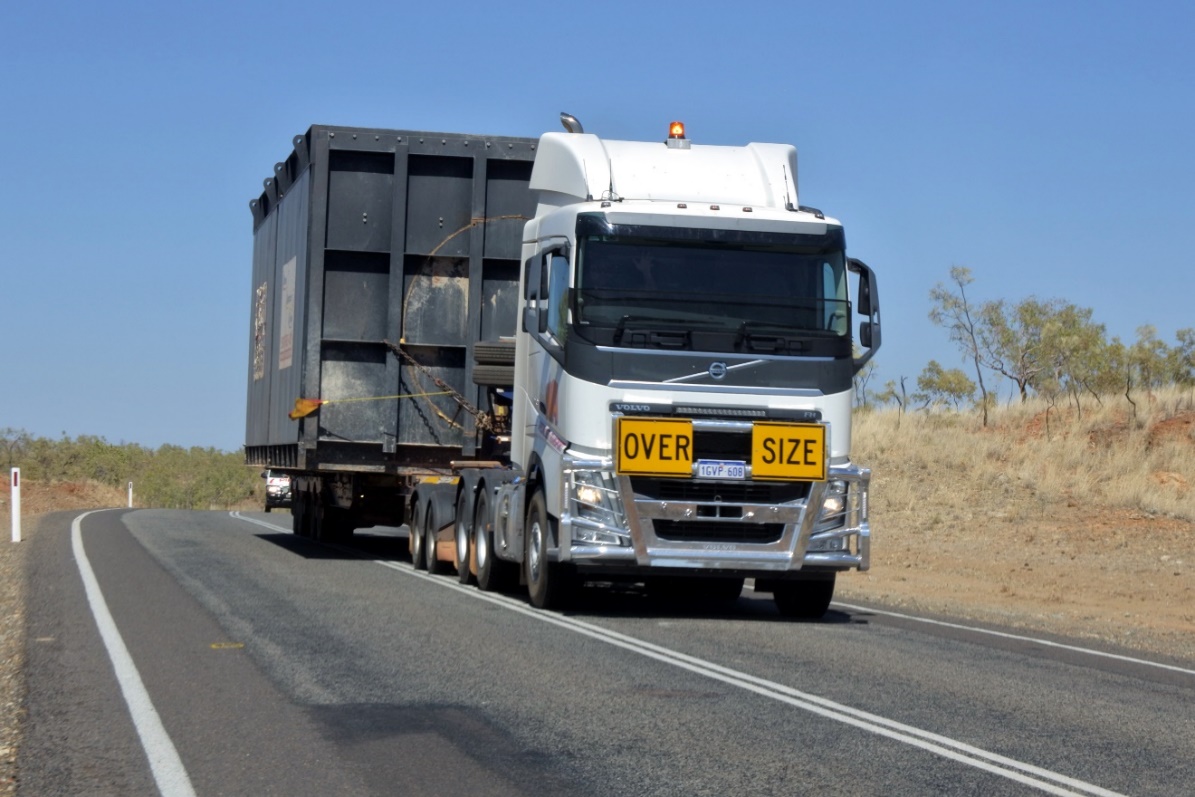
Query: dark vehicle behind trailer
381	259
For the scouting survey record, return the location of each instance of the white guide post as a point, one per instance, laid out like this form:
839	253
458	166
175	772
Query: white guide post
130	495
16	504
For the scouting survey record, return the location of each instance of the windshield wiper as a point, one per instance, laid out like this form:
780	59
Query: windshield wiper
774	342
678	327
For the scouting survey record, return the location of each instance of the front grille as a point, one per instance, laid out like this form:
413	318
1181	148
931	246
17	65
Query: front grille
769	493
686	531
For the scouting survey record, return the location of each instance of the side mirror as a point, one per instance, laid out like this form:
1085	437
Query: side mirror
867	304
531	279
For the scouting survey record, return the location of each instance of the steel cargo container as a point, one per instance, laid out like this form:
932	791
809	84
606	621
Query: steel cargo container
366	238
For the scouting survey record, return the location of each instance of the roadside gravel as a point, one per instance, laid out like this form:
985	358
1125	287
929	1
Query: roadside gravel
12	653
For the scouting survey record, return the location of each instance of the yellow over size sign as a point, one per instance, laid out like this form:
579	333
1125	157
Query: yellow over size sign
654	446
788	451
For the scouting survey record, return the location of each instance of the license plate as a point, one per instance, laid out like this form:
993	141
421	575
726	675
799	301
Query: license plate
788	451
721	469
654	446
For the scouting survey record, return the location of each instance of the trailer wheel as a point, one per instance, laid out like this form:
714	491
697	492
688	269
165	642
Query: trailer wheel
434	565
804	599
549	584
493	574
415	535
336	525
463	532
301	515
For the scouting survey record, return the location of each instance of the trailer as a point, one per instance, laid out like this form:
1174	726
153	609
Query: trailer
563	359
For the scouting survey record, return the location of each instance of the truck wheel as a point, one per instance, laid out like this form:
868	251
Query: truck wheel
463	532
335	526
415	536
434	565
267	509
549	584
301	516
493	574
804	599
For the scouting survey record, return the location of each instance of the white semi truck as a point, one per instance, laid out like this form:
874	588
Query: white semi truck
657	390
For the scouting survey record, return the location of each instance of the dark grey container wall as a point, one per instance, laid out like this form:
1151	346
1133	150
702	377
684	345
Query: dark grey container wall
396	235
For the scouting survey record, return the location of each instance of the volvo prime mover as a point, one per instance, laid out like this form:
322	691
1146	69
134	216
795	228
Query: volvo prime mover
564	360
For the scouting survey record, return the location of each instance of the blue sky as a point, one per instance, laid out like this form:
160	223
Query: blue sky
1048	146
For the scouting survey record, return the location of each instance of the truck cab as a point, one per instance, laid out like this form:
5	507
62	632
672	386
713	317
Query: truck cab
683	372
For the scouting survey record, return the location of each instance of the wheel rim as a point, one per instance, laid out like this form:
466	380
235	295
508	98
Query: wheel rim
462	542
533	553
481	537
429	540
481	547
416	545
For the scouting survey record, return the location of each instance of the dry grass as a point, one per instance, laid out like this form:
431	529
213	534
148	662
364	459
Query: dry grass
1030	456
1085	527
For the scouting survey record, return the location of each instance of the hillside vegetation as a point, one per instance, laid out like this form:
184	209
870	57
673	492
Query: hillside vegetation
1031	454
1080	525
169	477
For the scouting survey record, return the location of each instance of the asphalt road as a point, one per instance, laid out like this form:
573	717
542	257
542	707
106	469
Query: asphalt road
261	663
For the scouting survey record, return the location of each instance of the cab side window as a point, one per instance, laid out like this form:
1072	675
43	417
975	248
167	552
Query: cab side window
558	297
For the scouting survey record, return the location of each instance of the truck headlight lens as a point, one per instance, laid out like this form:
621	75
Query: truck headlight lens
593	496
834	504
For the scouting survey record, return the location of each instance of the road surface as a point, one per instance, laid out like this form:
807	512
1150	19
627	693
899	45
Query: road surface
215	653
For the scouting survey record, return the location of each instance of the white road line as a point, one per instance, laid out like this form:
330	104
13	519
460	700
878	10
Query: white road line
239	516
961	752
168	771
957	626
1018	637
1021	772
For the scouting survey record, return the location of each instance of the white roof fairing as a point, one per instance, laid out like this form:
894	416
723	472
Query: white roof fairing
575	167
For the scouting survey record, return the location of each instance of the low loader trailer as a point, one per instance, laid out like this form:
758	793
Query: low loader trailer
564	359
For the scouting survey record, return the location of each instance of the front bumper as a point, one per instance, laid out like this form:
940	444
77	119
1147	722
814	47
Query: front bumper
278	498
701	531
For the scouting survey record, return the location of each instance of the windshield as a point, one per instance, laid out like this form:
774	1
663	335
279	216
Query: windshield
765	293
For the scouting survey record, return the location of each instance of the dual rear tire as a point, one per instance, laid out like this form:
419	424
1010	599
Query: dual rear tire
493	574
314	519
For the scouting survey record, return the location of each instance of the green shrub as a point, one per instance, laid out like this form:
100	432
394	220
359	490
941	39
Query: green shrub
171	477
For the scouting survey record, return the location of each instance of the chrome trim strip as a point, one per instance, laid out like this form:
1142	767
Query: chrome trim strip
699	374
745	390
717	355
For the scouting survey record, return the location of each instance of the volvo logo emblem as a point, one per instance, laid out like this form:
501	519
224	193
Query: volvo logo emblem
718	370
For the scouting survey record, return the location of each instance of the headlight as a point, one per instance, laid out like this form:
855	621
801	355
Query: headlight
594	497
834	503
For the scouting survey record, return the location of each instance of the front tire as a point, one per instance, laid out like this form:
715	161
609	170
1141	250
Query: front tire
549	584
805	599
